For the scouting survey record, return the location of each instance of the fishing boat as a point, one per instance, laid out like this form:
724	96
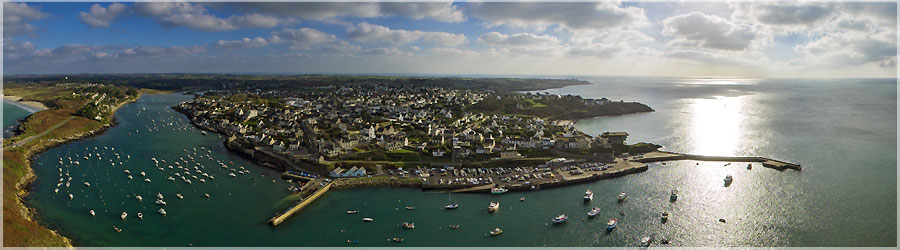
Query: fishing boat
159	195
88	184
498	190
408	225
117	229
140	216
124	215
588	195
674	195
71	197
560	219
162	211
139	198
92	213
129	177
56	190
171	178
665	217
352	211
161	202
398	240
454	226
494	206
367	219
207	195
622	197
147	180
522	199
179	196
451	206
496	231
611	224
410	208
645	242
594	212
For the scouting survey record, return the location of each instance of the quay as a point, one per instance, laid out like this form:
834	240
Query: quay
279	218
658	156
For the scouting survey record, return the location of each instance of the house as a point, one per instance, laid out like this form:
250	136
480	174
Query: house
336	172
510	155
614	138
437	153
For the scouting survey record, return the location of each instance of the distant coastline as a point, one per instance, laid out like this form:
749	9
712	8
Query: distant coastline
30	106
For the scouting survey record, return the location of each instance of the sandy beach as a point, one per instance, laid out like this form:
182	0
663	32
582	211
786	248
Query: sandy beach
31	106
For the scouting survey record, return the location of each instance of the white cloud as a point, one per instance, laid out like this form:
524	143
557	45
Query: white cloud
15	16
517	40
598	16
243	43
840	49
371	33
707	31
102	17
452	51
196	16
302	38
440	11
389	51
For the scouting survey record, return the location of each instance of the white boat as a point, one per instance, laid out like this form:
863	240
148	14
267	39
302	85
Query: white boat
367	219
124	215
560	219
645	242
139	198
179	196
88	184
622	197
494	206
71	196
161	202
594	212
162	211
496	231
159	195
140	216
92	213
498	190
171	178
588	195
147	180
611	224
56	190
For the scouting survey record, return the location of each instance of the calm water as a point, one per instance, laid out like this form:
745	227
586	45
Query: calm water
842	131
11	115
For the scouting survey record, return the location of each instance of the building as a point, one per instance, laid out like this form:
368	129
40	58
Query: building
615	138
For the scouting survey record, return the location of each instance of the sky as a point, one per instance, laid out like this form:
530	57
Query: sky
721	39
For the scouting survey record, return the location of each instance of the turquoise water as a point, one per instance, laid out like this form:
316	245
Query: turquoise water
11	116
842	131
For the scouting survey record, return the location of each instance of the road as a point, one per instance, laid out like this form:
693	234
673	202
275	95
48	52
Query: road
30	138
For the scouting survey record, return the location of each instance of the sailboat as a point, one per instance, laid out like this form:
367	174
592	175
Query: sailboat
451	205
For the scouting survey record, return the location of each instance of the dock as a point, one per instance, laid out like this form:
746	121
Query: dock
659	156
279	218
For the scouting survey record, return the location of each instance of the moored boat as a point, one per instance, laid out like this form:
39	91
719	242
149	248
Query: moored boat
588	195
140	216
494	206
498	190
594	212
408	225
728	179
367	219
496	231
410	208
451	206
352	211
674	195
398	240
645	242
621	197
162	211
124	215
611	224
665	217
92	213
454	226
560	219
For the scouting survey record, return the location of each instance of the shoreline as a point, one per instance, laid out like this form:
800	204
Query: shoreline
30	106
23	185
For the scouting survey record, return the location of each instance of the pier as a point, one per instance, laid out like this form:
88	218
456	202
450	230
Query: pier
659	156
278	219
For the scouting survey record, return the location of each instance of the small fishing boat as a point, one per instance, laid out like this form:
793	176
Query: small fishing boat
161	202
622	197
588	195
496	231
645	242
749	166
398	240
594	212
88	184
560	219
454	226
352	211
674	195
179	196
139	198
129	177
522	199
147	180
56	190
140	216
611	224
71	197
665	217
232	175
143	174
367	219
124	215
159	196
171	178
92	213
451	206
117	229
494	206
410	208
207	195
498	190
162	211
408	225
728	179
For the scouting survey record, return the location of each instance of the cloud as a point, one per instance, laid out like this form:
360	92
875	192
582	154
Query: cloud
196	16
452	51
389	51
598	16
243	43
102	17
850	48
302	38
521	39
15	16
371	33
707	31
440	11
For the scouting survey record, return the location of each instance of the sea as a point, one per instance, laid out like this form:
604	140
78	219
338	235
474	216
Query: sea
843	132
12	113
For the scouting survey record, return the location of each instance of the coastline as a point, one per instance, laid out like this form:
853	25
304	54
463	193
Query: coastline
22	185
30	106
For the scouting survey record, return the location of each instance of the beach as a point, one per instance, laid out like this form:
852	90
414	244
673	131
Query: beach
31	106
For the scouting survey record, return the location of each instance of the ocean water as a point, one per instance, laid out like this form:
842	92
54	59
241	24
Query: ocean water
11	115
843	132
